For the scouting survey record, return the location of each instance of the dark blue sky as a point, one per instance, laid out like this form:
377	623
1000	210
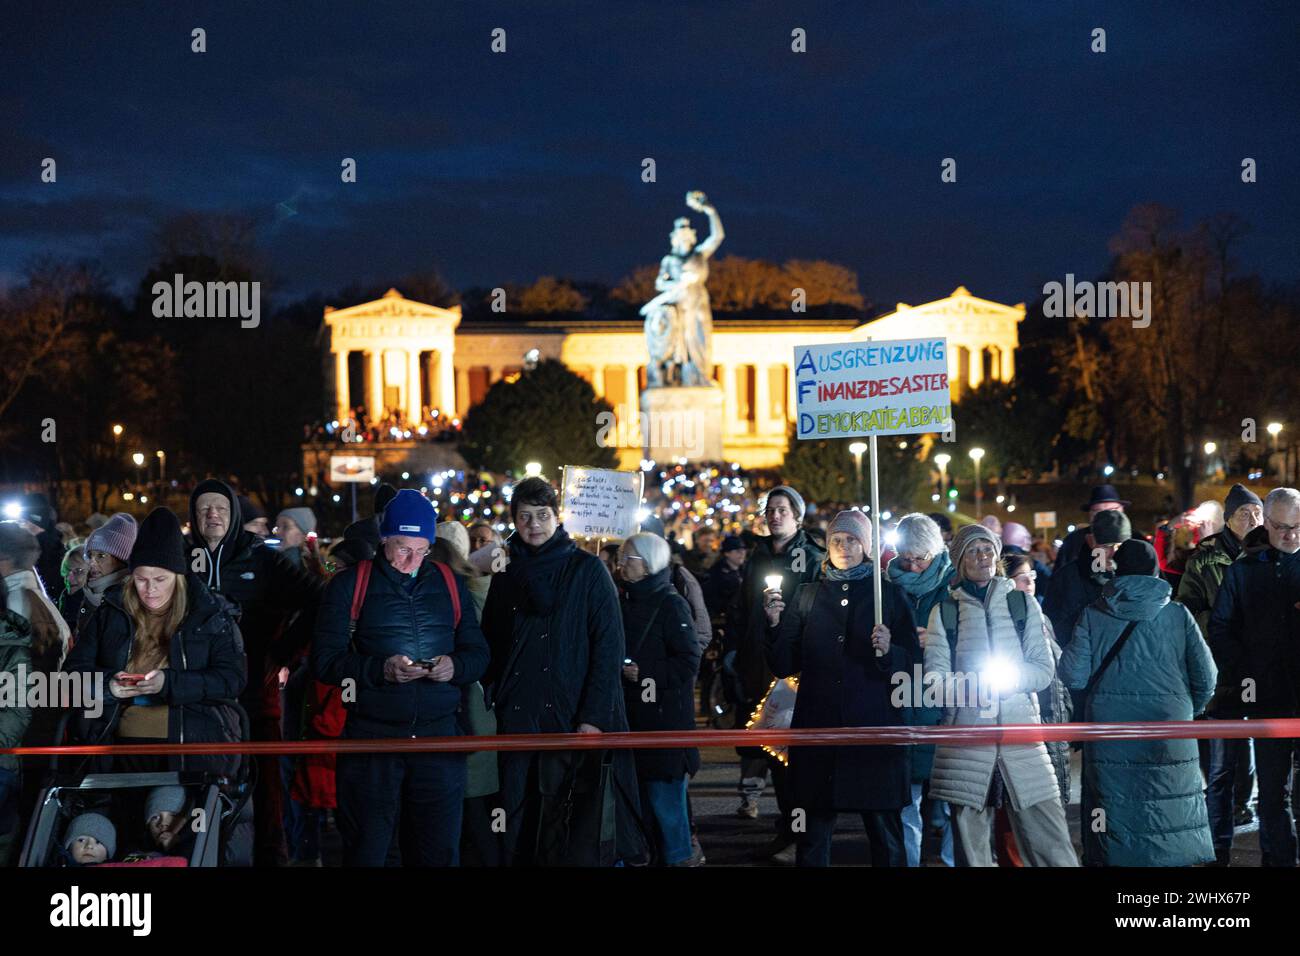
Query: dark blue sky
497	168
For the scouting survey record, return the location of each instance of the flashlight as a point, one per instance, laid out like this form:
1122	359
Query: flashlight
1001	675
773	582
13	510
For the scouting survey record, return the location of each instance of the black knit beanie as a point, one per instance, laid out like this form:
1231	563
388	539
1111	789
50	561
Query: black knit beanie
159	544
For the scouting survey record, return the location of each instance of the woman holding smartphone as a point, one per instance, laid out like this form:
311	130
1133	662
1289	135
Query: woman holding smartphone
166	650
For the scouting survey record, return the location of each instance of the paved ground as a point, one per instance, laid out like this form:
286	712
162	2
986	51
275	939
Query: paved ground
730	841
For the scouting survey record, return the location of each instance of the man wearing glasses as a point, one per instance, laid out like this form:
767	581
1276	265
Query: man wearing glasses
401	665
1254	635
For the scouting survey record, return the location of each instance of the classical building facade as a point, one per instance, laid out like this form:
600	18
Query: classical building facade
399	354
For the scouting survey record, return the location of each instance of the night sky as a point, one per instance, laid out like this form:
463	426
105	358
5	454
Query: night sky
498	168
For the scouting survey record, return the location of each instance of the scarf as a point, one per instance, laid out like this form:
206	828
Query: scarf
977	591
855	573
1231	543
535	572
917	584
94	590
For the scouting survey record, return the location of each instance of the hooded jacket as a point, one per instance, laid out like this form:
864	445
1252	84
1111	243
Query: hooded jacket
1150	790
265	587
205	665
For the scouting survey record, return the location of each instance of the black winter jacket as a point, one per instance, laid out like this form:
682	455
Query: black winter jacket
1255	633
661	642
416	622
205	665
842	683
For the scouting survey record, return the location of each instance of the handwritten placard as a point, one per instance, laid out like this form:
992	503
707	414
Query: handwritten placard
599	503
850	389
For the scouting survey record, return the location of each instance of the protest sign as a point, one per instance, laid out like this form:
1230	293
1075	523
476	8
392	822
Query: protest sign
851	389
599	503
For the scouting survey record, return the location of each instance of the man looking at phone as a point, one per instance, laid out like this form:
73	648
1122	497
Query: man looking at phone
401	664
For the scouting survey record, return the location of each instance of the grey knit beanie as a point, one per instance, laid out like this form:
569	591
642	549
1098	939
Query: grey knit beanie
304	518
796	500
92	825
965	537
164	800
116	536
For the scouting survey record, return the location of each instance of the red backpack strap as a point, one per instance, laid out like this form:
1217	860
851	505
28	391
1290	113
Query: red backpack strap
359	591
451	587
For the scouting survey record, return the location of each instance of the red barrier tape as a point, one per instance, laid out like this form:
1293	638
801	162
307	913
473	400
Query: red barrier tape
661	739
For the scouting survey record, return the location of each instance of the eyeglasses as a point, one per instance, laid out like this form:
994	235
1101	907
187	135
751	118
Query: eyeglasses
407	552
1284	528
912	560
625	558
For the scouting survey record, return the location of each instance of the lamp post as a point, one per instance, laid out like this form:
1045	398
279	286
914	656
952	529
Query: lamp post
976	454
857	448
1275	429
942	460
138	458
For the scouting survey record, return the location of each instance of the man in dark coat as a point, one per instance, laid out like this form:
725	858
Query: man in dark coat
38	512
828	636
269	591
1102	498
1076	585
790	554
1253	636
1229	764
725	576
553	624
405	663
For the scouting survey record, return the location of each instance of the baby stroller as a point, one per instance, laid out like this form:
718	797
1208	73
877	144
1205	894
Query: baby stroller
217	807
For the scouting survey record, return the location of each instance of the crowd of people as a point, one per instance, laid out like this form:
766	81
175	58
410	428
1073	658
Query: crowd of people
411	627
392	424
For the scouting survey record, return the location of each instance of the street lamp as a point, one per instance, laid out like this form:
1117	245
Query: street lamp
162	466
976	454
856	449
1210	448
942	460
1275	429
532	469
138	458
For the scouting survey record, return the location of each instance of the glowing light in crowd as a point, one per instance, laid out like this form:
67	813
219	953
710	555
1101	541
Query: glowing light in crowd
144	499
886	515
1001	675
298	492
337	499
13	510
406	476
1001	498
533	469
891	539
1210	448
128	496
773	582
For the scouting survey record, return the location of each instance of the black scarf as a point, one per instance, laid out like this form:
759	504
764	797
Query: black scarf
535	572
1231	543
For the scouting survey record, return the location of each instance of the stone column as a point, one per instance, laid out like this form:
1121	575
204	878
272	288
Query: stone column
413	386
446	390
375	384
341	390
460	406
762	411
1008	364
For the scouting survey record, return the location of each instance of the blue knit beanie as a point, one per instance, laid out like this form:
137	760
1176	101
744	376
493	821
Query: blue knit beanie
410	514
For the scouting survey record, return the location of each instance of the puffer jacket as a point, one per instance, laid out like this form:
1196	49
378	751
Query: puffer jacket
15	656
416	622
205	665
1150	790
962	775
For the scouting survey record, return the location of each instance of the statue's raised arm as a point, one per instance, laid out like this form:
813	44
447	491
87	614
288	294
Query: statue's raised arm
699	202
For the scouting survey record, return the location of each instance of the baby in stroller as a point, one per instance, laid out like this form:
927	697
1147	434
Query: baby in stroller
167	838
